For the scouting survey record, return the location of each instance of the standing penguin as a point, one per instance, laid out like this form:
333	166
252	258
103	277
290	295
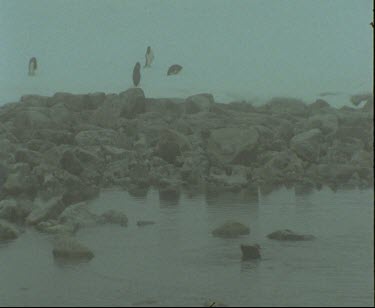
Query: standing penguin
32	66
149	57
137	74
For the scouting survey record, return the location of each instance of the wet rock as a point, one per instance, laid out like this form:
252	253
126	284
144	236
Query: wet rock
307	145
71	163
97	137
198	103
15	211
288	235
78	215
44	210
53	227
231	229
135	103
114	217
142	223
69	248
250	252
287	105
8	231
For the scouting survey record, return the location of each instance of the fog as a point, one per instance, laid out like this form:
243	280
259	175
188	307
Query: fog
236	50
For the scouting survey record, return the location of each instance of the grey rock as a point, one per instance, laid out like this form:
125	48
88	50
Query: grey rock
250	252
69	248
231	229
288	235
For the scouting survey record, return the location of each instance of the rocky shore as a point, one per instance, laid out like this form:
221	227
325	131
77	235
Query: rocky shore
57	152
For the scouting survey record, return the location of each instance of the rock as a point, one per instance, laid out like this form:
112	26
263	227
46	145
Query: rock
237	145
287	105
307	145
7	231
68	248
288	235
20	183
78	215
114	217
29	157
53	227
231	229
15	211
327	123
97	137
45	210
71	163
78	102
142	223
3	175
198	103
135	103
250	252
171	144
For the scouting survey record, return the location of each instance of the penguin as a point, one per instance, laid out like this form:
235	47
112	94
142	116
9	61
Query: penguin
149	57
174	69
137	74
32	66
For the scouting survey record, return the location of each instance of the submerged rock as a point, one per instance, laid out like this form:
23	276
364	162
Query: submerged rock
231	229
250	252
288	235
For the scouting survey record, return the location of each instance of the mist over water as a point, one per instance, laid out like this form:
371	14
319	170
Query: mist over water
242	50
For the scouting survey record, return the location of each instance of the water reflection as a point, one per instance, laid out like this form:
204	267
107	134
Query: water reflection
169	197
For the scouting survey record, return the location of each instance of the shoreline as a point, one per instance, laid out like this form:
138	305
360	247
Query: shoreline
60	151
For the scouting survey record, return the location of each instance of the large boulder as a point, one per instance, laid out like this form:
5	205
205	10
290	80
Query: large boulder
307	144
78	215
135	103
68	248
231	229
44	210
250	252
71	163
198	103
8	231
78	102
287	105
97	137
288	235
237	145
114	217
20	182
171	144
327	123
15	210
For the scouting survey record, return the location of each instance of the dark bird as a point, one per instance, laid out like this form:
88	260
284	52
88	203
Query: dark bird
137	74
32	66
174	69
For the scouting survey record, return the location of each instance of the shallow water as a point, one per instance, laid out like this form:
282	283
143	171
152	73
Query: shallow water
177	262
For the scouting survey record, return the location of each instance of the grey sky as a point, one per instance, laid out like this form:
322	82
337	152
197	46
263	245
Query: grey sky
294	45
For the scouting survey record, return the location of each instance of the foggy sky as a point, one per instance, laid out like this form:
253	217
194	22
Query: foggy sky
282	46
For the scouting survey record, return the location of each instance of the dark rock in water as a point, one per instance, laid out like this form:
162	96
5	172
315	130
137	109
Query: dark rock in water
174	69
231	229
288	235
250	252
67	247
142	223
114	217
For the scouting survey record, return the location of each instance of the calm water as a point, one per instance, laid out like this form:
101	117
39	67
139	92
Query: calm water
178	262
